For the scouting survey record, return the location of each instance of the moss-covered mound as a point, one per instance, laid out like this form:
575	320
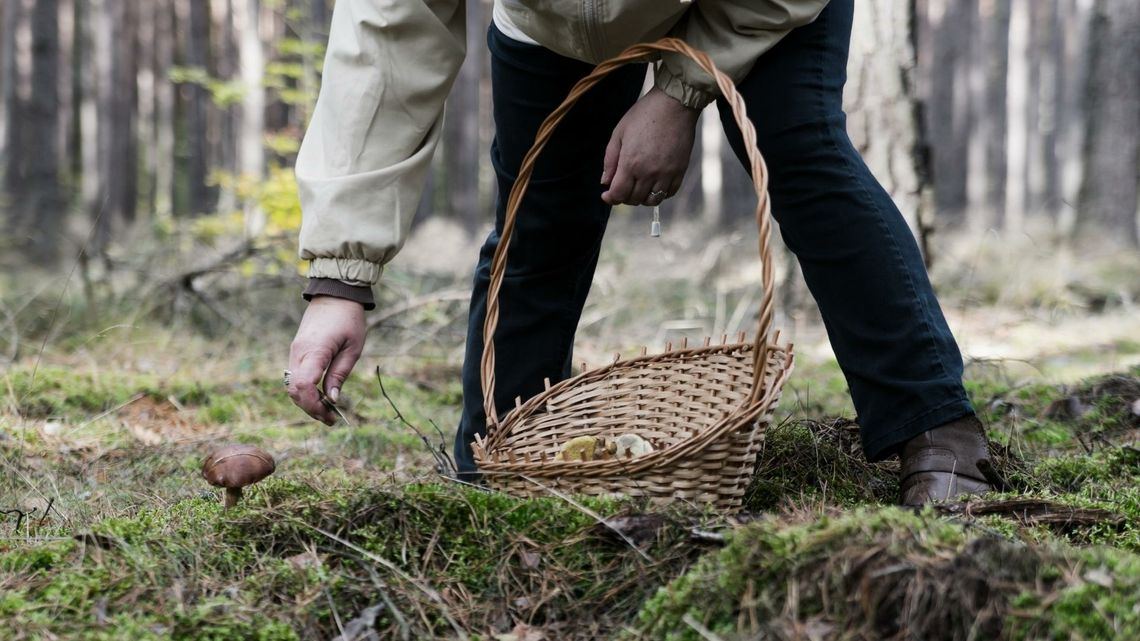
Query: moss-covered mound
302	558
890	574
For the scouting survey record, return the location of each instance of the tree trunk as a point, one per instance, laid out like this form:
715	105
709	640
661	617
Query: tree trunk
1017	118
1048	53
738	195
461	133
945	64
194	19
164	100
147	82
991	132
10	20
66	82
881	101
251	154
1108	198
1074	63
227	64
37	205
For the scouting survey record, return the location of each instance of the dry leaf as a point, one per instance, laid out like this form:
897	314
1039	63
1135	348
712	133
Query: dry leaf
1100	577
522	632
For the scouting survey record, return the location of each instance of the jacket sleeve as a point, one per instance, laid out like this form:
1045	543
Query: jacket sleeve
362	164
734	33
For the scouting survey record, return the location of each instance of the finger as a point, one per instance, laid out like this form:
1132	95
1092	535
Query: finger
308	367
610	163
639	195
339	370
620	187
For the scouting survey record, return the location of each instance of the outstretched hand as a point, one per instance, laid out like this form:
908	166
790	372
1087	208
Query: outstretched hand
328	343
649	151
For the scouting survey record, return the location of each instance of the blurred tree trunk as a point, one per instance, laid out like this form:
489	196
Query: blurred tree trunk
885	112
10	13
319	18
226	63
948	30
1108	196
194	29
66	82
737	193
147	82
1047	49
990	133
461	133
1018	103
164	104
113	27
689	200
251	154
1073	67
36	203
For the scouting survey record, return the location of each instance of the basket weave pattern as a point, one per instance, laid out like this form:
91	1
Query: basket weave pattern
704	409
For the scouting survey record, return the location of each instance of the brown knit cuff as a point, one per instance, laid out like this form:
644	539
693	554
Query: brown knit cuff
334	287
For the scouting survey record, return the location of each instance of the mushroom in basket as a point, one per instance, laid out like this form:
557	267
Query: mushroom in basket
595	448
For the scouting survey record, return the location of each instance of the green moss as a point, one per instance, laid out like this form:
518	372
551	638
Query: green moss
873	573
807	462
63	392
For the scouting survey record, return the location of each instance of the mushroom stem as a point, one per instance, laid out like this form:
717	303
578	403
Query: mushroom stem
233	495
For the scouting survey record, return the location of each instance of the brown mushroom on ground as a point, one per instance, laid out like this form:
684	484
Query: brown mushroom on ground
236	466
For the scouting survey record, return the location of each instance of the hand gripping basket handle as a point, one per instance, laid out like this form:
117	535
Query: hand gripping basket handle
636	53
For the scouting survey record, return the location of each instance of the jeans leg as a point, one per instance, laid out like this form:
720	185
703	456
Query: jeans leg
559	229
858	256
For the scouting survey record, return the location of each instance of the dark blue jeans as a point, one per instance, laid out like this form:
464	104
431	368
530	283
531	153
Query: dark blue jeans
857	254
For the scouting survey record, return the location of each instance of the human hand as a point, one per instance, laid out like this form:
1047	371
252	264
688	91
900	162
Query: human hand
649	151
329	341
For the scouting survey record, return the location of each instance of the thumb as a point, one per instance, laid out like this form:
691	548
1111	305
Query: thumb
339	369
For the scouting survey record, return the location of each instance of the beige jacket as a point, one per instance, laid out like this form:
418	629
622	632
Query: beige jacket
391	63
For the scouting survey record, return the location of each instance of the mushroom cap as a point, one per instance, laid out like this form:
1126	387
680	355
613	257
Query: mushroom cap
631	445
237	466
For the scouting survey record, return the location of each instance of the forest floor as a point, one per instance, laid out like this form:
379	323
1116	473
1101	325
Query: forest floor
108	532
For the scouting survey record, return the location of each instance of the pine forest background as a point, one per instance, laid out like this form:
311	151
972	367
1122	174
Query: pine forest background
147	146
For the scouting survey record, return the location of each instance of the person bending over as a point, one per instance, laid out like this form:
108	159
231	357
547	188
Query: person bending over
378	118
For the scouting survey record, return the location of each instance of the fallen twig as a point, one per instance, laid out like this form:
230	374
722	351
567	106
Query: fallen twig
1034	512
699	628
444	464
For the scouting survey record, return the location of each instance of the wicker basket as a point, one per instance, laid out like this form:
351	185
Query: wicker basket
705	409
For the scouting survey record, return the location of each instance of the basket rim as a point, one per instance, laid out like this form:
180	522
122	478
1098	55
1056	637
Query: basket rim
497	433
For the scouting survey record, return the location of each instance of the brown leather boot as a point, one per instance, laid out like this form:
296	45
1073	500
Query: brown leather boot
943	463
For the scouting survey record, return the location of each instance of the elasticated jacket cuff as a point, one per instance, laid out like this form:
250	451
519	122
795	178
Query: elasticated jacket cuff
675	87
354	271
338	289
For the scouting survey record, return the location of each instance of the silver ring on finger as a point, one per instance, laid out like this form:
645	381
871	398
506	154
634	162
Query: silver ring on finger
655	197
287	377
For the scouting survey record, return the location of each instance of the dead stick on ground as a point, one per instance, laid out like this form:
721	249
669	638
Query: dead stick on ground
699	628
381	587
428	591
136	397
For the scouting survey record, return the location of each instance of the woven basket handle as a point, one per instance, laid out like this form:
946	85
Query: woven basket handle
636	53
